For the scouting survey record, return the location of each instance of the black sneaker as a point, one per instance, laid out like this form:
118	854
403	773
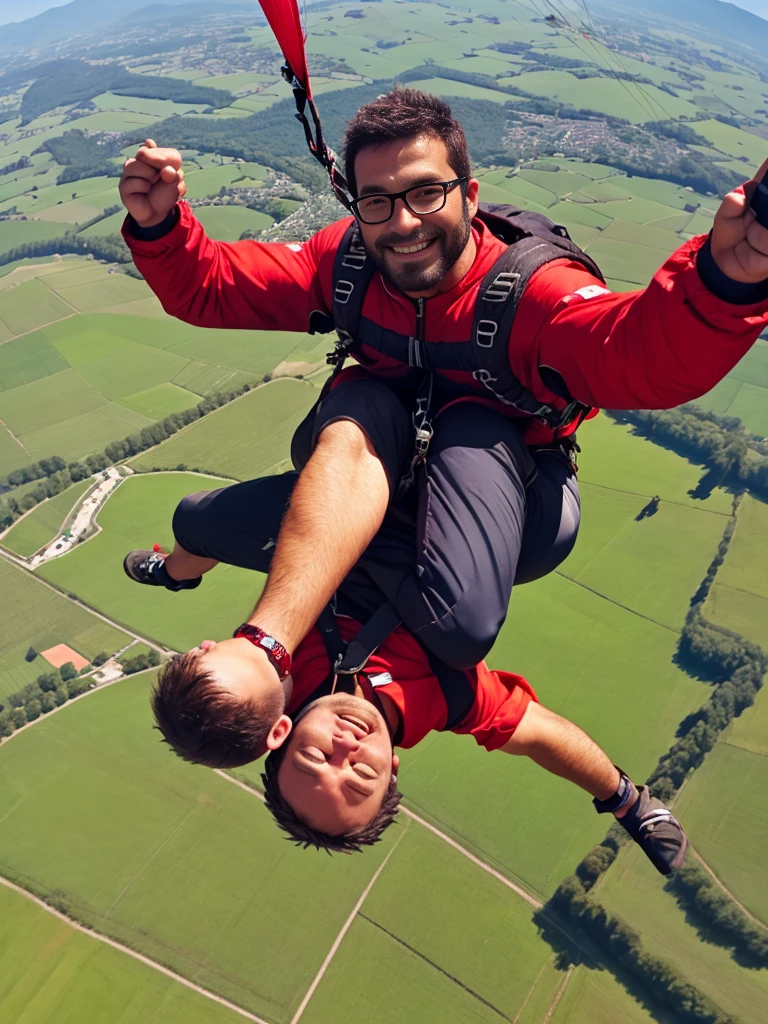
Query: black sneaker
148	567
656	831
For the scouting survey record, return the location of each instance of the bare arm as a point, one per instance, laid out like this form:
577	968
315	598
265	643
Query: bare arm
563	749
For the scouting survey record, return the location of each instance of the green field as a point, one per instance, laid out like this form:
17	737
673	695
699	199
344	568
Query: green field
635	894
744	392
248	438
52	974
739	598
14	233
138	515
229	222
30	305
44	521
38	616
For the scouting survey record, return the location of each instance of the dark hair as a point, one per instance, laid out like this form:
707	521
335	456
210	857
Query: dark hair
403	114
302	835
206	724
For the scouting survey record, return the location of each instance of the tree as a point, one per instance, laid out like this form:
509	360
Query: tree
67	671
100	658
6	725
47	703
153	657
48	681
32	710
60	695
18	717
30	655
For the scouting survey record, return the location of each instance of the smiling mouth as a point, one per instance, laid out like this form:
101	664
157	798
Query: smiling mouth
405	250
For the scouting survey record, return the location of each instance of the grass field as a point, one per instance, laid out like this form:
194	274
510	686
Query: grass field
744	392
52	974
739	598
44	521
228	222
39	617
30	305
138	515
634	893
249	438
19	232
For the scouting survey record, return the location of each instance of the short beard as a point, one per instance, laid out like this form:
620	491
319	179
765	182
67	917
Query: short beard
414	278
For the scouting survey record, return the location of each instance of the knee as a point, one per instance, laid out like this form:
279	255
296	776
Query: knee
458	641
187	518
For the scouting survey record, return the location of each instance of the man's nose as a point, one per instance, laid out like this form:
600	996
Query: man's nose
403	220
344	743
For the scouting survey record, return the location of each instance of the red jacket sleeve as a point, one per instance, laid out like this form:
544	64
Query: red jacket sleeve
249	285
652	349
500	703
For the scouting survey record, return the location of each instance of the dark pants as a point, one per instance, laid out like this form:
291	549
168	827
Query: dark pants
450	550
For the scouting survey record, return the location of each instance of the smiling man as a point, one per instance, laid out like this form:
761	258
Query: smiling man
441	313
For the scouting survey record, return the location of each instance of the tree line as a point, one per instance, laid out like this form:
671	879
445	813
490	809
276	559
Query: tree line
50	690
736	458
81	156
737	667
63	82
15	165
56	475
111	249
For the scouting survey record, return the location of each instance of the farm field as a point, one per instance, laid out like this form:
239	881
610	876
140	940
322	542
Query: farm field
739	598
39	616
138	515
229	222
744	392
52	974
249	438
636	895
182	820
42	524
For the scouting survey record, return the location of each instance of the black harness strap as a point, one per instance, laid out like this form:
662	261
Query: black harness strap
369	638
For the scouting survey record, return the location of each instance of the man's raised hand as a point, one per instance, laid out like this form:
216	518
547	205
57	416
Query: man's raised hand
152	184
739	241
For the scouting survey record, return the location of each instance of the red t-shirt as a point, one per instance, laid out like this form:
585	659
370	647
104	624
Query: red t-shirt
400	668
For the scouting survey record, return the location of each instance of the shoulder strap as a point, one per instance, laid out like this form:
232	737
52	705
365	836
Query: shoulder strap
352	272
496	307
369	638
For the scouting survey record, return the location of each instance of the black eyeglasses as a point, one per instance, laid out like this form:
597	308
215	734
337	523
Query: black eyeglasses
378	207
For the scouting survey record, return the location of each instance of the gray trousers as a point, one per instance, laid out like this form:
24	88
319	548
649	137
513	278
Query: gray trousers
485	513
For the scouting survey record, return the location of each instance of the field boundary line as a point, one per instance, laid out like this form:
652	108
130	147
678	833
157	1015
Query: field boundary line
110	622
75	311
618	604
475	860
532	989
132	953
340	937
432	828
664	501
721	885
436	967
50	322
18	440
558	995
73	700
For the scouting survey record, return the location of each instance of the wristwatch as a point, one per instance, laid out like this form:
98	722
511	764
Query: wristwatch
276	653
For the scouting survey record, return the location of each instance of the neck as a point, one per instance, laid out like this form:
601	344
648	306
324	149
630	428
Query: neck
460	268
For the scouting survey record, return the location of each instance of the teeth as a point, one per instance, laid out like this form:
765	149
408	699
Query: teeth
410	248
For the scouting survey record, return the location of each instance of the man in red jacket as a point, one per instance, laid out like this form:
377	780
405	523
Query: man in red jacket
360	685
573	346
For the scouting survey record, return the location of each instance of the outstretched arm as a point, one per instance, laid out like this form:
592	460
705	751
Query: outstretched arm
564	749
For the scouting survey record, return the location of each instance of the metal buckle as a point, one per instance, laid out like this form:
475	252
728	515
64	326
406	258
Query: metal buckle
354	260
486	329
423	438
343	292
502	286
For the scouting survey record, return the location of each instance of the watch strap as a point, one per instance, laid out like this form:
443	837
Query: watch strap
275	651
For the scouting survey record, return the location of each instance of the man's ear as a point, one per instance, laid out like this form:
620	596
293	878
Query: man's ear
473	195
395	764
279	732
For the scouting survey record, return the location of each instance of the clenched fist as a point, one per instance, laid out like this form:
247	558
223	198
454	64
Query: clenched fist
739	241
152	183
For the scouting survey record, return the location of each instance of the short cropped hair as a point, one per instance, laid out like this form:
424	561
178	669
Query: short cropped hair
404	114
206	724
301	834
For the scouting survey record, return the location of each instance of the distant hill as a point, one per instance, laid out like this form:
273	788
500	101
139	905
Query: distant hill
724	20
86	17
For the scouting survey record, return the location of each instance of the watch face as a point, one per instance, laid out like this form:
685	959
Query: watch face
269	642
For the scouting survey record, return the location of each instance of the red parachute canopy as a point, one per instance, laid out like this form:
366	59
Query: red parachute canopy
285	21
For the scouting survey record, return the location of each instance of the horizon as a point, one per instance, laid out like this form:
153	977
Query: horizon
22	10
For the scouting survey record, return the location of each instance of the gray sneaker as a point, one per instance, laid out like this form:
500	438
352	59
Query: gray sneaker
656	831
148	567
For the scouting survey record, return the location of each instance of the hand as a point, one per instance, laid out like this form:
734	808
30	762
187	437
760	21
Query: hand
739	242
152	184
